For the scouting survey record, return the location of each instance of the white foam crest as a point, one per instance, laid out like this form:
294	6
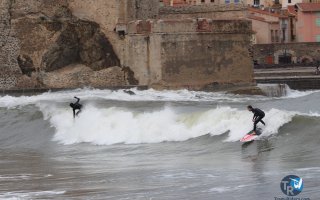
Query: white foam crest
275	119
140	95
114	125
121	95
297	93
283	91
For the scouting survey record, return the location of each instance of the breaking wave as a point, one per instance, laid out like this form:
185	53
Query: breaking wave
140	95
106	126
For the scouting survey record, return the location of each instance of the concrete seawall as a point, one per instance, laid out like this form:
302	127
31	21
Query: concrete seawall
299	78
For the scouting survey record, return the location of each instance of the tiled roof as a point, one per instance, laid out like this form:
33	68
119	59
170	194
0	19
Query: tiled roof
264	12
309	7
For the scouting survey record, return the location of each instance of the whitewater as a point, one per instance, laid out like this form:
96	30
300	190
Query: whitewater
156	145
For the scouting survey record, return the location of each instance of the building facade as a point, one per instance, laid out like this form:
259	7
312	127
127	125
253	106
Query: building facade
286	3
177	3
270	27
308	24
174	2
262	3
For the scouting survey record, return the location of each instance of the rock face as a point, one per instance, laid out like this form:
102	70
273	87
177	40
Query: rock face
9	48
74	43
78	42
43	45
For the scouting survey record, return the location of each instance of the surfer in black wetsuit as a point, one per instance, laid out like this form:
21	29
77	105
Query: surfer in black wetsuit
76	106
257	117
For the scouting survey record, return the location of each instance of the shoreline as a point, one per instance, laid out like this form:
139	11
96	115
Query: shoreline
30	91
241	90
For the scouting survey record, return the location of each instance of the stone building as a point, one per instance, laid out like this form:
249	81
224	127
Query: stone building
271	27
263	3
200	2
76	43
287	53
174	2
286	3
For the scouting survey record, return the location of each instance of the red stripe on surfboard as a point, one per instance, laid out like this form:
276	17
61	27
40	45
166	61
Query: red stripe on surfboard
248	138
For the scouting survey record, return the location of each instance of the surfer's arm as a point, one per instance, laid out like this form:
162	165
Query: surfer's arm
78	99
255	114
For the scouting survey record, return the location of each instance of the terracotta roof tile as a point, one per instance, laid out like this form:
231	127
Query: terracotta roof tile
265	12
252	17
309	7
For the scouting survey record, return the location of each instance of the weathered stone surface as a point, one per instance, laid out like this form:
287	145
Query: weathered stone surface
173	54
299	53
106	13
41	37
74	43
26	64
74	76
9	48
254	90
80	42
211	11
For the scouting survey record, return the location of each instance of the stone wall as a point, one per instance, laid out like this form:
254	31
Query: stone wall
74	43
9	47
143	9
196	54
106	14
298	53
211	11
41	40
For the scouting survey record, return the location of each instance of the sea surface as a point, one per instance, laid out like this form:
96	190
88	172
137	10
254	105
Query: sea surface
157	145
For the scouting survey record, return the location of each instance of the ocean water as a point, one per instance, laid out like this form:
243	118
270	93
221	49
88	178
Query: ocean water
156	145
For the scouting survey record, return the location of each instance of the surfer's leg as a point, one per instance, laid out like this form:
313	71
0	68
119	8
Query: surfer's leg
78	112
258	119
255	125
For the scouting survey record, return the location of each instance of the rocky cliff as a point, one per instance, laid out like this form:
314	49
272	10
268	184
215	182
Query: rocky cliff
44	44
75	43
